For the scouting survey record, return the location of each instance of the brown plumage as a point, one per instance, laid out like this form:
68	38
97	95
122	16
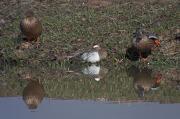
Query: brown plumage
144	79
144	42
31	27
33	94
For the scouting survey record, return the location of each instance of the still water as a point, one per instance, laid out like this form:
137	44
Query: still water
90	91
14	107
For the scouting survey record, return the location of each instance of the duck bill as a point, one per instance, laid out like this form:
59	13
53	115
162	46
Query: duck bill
157	42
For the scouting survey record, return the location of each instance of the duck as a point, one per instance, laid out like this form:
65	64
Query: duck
30	27
145	80
33	94
144	42
93	55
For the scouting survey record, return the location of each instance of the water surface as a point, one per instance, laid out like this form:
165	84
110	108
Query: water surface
14	107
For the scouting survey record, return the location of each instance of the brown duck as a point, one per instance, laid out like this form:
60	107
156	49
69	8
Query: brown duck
33	94
144	42
31	27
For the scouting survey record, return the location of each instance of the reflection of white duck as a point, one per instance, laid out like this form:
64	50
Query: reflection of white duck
95	71
92	55
92	70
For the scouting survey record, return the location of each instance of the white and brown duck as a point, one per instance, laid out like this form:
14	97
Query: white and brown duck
93	55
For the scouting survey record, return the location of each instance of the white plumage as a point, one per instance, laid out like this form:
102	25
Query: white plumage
92	57
91	70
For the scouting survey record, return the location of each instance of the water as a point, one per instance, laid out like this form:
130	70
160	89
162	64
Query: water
89	91
14	107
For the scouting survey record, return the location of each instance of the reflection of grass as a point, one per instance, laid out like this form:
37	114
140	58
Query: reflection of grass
115	86
69	26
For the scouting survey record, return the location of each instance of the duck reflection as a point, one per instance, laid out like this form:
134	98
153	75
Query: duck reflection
145	79
33	94
94	71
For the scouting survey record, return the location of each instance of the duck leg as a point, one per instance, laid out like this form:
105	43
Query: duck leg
144	54
37	42
142	58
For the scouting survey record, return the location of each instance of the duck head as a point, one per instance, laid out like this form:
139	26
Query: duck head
102	52
157	81
144	38
155	39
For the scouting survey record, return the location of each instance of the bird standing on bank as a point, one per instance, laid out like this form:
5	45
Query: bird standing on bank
144	42
31	27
